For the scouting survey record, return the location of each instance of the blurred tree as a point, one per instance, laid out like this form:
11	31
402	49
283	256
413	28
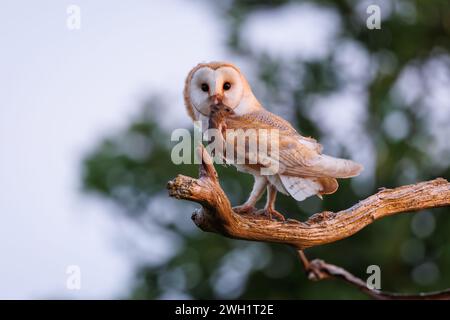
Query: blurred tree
401	135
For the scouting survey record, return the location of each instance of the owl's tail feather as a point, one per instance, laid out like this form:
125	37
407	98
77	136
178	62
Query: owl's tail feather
302	188
337	167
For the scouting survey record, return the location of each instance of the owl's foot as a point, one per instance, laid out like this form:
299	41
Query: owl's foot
271	213
244	209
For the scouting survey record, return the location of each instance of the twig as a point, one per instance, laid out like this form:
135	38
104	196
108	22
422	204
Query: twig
317	270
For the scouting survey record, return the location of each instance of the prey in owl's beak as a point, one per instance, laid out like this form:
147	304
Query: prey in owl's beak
217	115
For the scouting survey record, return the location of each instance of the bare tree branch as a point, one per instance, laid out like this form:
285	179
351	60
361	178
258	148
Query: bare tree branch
317	270
321	228
217	216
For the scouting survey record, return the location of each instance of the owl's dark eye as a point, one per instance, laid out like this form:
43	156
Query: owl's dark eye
205	87
226	86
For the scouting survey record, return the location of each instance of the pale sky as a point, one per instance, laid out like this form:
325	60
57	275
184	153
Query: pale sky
60	92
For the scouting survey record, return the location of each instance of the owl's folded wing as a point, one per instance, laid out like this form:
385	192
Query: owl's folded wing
296	159
296	155
264	119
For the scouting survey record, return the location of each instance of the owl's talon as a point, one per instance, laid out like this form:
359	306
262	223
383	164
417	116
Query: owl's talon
244	209
271	214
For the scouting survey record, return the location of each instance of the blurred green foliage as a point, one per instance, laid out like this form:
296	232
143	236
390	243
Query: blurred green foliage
132	168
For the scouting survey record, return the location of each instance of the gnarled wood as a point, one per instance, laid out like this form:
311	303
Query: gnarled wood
321	228
217	216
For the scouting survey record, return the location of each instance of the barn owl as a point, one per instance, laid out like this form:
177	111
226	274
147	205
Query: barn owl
211	88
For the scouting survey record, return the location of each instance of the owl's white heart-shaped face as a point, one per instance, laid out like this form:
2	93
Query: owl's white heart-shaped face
211	86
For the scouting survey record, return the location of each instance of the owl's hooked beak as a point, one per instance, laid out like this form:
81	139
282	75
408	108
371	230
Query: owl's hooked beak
216	98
